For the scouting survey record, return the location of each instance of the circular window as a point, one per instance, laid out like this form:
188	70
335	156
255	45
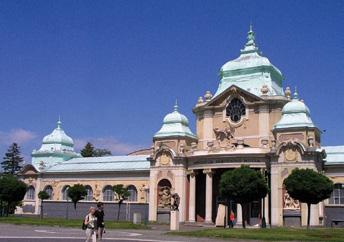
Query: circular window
235	110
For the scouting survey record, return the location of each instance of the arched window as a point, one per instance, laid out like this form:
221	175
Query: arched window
30	193
108	193
49	190
337	196
89	196
133	193
65	193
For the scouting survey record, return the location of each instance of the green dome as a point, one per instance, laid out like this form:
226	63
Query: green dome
176	117
251	71
295	114
295	106
175	124
58	136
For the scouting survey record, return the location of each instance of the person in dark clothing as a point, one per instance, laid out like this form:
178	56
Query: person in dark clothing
100	220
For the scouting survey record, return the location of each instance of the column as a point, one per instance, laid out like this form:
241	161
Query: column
192	197
152	197
239	215
208	195
267	210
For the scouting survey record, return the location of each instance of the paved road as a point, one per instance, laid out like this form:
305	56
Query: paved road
26	233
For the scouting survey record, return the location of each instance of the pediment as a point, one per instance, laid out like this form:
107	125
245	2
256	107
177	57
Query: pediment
221	99
29	170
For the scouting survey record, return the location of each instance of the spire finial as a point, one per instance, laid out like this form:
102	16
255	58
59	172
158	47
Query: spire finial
176	106
296	95
250	36
59	122
250	45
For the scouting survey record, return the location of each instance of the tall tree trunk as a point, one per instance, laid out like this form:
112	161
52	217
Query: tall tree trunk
119	210
8	209
243	207
309	214
42	209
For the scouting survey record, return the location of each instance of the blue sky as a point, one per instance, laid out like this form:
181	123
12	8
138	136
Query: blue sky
113	69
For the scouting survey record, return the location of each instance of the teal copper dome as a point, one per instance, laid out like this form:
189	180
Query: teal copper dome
176	117
175	124
56	148
58	136
295	114
250	71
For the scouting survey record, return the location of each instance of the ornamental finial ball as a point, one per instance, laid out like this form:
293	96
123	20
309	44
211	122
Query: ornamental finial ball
287	92
208	96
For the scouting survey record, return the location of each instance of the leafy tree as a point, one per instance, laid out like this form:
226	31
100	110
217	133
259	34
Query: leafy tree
88	150
43	195
308	186
243	185
101	152
12	192
12	162
77	193
121	194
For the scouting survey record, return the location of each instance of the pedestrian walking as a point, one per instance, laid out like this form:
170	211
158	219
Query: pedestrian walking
91	225
231	219
100	220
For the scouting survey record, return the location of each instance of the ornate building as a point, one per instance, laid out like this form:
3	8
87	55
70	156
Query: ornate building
249	120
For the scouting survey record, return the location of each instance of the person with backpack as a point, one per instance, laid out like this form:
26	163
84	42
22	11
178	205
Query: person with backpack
90	224
100	219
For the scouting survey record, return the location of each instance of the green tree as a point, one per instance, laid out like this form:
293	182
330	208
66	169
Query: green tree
88	150
121	194
101	152
76	193
43	195
12	192
243	185
308	186
12	162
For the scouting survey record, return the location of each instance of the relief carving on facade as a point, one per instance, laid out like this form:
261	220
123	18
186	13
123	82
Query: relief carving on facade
290	154
164	158
289	137
164	199
224	137
289	202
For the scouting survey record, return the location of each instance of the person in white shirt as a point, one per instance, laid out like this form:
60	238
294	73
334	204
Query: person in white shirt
91	223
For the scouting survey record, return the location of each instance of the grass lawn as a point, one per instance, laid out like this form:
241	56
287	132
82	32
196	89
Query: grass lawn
274	234
71	223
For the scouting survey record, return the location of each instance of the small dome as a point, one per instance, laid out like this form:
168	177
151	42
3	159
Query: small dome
295	106
176	117
175	124
58	136
295	114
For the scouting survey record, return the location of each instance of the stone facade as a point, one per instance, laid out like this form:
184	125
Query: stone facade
250	120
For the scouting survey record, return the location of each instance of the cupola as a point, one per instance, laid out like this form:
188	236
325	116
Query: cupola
58	136
175	124
56	147
251	71
295	114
